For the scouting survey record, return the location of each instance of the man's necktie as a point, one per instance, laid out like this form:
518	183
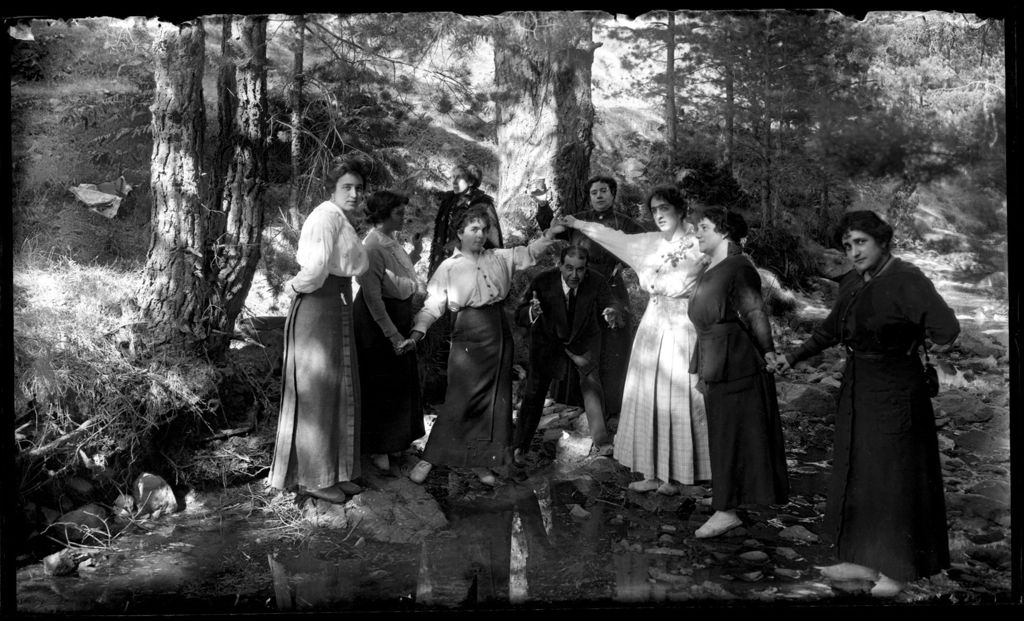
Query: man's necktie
570	305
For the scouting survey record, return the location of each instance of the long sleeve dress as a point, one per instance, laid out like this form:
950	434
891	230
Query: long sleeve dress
616	342
886	505
748	458
474	426
390	384
319	420
662	429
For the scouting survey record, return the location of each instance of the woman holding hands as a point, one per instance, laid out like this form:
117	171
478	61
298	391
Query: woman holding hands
734	358
886	510
388	372
473	429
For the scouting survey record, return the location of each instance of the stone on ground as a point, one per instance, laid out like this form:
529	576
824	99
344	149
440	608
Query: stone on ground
396	511
87	524
152	493
60	563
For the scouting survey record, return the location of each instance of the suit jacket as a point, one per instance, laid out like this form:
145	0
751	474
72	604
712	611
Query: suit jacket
554	336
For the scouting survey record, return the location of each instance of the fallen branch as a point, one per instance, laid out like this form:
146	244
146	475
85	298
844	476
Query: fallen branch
50	446
227	433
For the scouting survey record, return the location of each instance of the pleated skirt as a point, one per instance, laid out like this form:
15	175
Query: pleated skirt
318	424
663	428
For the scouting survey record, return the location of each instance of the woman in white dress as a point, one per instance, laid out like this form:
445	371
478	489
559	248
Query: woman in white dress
662	432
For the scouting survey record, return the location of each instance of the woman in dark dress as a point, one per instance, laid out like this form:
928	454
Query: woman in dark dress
473	428
388	373
465	192
317	447
734	358
886	510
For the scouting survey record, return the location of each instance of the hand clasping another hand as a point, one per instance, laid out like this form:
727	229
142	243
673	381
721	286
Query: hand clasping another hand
777	363
404	346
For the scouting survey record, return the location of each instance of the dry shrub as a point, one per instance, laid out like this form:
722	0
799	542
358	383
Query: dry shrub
77	386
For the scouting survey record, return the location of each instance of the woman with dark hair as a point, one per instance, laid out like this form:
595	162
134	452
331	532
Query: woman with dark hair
474	426
388	372
317	447
465	192
886	508
734	357
662	431
618	341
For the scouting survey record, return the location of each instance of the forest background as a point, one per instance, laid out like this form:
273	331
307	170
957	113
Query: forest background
145	331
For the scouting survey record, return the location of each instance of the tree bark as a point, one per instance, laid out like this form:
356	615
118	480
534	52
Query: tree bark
670	85
173	299
226	103
730	118
544	111
294	219
237	241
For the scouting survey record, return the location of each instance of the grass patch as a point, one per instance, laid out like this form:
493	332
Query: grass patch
79	388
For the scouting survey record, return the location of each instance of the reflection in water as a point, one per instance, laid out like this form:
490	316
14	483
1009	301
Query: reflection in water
488	553
305	582
557	543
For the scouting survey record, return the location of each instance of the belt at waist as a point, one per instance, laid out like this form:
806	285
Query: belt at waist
334	286
342	281
484	307
877	355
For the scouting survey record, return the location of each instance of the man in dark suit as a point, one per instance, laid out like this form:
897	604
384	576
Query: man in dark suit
565	308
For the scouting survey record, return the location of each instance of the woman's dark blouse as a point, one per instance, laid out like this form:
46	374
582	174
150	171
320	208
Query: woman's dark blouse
887	315
729	295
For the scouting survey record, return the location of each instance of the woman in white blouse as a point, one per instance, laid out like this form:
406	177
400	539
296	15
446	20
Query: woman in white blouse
474	426
388	373
662	430
317	448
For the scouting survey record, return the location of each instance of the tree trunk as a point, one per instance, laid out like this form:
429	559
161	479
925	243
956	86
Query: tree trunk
237	241
294	219
544	112
670	85
173	299
766	146
730	118
226	102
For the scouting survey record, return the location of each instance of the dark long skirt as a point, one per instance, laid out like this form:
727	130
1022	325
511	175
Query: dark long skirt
389	384
886	506
318	424
748	458
474	426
